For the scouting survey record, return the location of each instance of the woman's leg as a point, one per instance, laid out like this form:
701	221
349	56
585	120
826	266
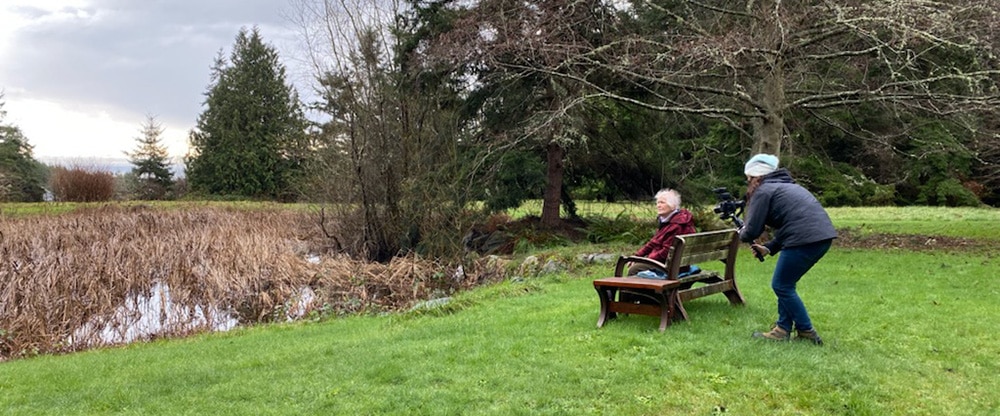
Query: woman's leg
638	267
793	263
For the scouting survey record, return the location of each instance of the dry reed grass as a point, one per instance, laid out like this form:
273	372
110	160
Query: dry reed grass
71	271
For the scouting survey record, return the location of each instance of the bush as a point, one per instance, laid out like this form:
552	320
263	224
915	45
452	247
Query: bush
622	228
840	184
180	188
948	192
932	176
131	187
80	185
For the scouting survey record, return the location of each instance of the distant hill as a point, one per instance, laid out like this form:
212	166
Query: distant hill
116	166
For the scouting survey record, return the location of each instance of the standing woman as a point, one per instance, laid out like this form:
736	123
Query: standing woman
801	230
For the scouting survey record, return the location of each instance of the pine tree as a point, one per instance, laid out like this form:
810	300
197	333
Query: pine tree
150	160
22	178
249	141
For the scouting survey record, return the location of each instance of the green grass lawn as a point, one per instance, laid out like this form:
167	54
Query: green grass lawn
979	223
906	333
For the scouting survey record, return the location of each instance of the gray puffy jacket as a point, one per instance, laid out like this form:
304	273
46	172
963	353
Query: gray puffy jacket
792	212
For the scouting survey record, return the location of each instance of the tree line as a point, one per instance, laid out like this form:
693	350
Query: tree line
25	179
439	103
431	107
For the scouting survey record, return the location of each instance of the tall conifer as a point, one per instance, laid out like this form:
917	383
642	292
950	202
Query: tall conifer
249	140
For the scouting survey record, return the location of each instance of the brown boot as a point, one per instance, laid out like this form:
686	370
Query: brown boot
775	334
810	335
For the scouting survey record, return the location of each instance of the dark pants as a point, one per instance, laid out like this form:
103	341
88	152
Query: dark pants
793	263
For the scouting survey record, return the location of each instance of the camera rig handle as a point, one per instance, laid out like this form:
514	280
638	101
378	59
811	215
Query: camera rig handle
730	209
739	226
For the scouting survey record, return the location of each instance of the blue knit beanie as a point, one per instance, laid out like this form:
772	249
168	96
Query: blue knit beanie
760	165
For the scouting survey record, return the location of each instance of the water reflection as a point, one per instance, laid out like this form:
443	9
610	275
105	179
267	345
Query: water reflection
145	315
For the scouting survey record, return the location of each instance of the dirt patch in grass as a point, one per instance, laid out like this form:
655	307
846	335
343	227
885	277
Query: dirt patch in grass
852	238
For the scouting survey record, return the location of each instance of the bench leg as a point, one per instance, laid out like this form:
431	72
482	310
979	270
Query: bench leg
607	296
671	307
734	295
666	309
677	306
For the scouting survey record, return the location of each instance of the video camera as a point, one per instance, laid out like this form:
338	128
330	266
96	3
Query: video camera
729	208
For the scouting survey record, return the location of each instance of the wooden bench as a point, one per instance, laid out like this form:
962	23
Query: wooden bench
665	298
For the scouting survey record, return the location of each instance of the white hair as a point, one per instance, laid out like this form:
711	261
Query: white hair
670	196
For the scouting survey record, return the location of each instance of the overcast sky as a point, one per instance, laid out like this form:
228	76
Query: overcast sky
80	76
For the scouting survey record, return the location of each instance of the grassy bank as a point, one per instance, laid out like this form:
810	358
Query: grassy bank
906	333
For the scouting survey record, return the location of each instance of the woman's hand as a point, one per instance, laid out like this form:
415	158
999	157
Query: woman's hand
760	250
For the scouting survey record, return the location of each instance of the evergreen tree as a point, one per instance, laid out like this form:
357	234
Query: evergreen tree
150	160
22	178
250	140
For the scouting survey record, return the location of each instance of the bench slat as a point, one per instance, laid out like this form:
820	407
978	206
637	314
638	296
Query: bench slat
706	290
720	236
693	240
637	283
700	277
704	257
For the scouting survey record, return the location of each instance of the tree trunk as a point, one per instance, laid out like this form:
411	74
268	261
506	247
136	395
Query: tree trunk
553	186
769	130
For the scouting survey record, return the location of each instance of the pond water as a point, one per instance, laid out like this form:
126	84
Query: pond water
146	315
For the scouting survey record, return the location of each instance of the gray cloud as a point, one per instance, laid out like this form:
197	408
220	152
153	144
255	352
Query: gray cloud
141	57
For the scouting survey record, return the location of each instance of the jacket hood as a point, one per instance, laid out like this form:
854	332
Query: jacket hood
778	176
681	216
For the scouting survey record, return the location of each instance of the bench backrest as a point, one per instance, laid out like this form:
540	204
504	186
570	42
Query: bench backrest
701	248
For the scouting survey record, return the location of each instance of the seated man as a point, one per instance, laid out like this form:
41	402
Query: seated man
673	221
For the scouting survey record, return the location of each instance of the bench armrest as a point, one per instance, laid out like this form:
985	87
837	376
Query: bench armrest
622	260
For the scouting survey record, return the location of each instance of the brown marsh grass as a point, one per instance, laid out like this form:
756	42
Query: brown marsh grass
60	273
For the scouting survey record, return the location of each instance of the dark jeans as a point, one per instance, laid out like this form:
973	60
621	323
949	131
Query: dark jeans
793	263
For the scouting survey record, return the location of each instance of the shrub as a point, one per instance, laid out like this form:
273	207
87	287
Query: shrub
621	228
79	185
939	158
180	188
839	184
131	187
706	219
948	192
